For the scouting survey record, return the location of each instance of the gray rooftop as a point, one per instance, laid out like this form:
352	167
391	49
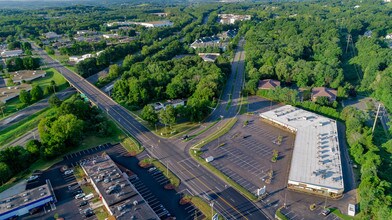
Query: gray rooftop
116	189
316	155
24	198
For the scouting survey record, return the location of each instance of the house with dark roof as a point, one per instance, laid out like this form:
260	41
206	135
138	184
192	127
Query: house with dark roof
324	92
268	84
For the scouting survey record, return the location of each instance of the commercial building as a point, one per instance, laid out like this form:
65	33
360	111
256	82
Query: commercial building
26	75
232	18
20	204
316	163
11	53
151	24
10	92
119	196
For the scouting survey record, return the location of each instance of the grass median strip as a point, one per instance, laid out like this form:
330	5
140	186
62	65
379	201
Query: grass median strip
200	204
279	215
174	180
195	153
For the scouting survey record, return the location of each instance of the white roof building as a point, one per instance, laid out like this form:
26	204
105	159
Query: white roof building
151	24
316	164
11	53
51	35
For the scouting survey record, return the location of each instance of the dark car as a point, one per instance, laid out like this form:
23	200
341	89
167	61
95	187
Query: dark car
74	193
326	212
83	203
89	214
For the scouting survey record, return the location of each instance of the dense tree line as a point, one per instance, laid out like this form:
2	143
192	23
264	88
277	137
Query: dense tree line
25	63
292	50
80	48
59	132
188	77
93	65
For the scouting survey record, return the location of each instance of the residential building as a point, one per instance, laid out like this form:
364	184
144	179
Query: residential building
228	34
212	41
160	14
267	84
232	18
324	92
20	204
110	36
175	103
316	166
51	35
119	196
87	32
389	36
11	53
26	75
368	34
10	92
209	57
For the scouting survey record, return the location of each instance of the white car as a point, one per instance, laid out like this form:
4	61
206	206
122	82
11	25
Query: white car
67	172
32	178
79	196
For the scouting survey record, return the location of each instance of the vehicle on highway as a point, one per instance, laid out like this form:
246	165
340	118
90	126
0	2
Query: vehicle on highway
80	195
326	212
68	172
32	178
152	169
83	203
88	197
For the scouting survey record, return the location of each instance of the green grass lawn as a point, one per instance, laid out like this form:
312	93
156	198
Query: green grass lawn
101	213
337	212
23	126
15	104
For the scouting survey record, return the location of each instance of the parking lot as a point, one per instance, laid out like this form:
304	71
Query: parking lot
150	186
291	215
244	154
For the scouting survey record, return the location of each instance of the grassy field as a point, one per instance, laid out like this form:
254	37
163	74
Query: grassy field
280	215
101	213
23	126
337	212
15	105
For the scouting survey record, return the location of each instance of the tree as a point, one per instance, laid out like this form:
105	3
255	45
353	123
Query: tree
24	96
323	100
54	101
167	116
5	172
114	71
34	147
148	113
36	93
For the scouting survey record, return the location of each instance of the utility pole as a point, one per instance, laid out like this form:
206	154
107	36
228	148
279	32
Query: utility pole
375	119
167	169
326	197
212	208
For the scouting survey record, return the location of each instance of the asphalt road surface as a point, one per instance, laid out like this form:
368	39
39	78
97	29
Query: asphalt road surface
14	118
226	200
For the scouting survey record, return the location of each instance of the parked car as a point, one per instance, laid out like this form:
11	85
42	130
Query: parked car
32	178
68	172
79	196
89	214
83	203
326	212
152	169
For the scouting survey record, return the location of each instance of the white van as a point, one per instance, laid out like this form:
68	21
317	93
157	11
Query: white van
88	197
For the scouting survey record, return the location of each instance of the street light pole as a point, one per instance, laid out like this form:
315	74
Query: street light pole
212	208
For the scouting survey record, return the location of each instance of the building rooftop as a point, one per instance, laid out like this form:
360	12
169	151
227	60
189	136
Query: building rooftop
268	84
120	195
27	75
326	92
24	198
7	93
316	156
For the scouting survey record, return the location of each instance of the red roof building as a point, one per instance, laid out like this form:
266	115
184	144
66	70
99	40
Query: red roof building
268	84
324	92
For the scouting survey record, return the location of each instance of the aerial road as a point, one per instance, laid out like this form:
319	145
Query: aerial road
227	201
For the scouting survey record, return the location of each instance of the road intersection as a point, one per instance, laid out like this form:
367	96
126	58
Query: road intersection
227	201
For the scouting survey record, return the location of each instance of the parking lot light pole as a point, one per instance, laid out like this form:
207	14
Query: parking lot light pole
212	208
